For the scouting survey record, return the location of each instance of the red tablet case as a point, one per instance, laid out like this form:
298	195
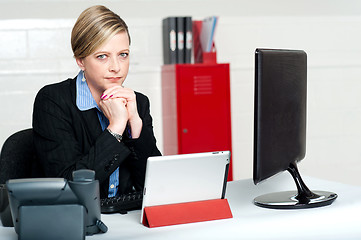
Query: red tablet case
180	213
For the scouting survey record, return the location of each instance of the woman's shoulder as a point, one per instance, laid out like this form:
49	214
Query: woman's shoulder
58	87
59	91
62	89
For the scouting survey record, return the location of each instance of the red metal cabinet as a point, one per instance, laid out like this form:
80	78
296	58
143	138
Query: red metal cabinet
196	108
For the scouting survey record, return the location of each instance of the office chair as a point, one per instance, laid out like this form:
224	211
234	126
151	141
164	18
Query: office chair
17	160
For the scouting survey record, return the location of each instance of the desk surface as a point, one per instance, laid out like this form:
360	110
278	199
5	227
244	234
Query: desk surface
341	220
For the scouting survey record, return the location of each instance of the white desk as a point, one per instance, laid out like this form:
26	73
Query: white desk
341	220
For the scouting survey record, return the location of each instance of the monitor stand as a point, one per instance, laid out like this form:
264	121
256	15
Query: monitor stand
304	198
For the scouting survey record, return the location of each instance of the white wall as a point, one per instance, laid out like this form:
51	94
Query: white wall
35	50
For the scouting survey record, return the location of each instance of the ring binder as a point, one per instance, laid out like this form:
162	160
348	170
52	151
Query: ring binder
169	40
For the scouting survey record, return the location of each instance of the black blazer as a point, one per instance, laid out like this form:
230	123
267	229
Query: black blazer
67	139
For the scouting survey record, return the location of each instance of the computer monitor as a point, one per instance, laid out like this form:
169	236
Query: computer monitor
280	126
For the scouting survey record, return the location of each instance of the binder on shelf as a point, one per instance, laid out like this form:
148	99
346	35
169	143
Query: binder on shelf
181	35
180	40
170	40
188	39
189	212
177	40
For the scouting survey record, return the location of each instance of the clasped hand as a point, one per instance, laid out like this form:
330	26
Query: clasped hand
119	106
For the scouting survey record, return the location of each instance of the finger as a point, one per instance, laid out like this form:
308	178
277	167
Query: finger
109	93
125	93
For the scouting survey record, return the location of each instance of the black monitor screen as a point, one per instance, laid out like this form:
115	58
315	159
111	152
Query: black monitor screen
280	126
280	110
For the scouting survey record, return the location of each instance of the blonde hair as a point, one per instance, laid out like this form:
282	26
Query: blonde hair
94	26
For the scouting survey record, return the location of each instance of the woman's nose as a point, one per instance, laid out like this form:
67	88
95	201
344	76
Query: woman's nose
114	65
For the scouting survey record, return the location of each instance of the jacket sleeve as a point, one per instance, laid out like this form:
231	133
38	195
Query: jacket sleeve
144	146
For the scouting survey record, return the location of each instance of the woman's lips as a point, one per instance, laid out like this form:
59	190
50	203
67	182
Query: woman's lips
113	79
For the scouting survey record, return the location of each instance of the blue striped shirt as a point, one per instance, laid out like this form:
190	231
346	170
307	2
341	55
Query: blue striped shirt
85	101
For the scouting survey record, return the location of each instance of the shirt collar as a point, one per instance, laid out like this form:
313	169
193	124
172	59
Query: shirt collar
84	98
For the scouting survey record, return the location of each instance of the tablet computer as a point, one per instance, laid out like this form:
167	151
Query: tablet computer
185	178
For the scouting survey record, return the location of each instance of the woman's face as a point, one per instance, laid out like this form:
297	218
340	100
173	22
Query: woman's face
108	65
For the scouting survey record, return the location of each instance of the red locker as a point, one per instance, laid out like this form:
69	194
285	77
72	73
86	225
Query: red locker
196	108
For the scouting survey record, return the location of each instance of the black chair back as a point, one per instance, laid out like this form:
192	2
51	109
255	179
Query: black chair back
17	160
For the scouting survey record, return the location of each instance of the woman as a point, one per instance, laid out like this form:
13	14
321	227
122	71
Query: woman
93	121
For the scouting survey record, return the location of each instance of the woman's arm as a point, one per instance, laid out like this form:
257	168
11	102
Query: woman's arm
145	145
64	142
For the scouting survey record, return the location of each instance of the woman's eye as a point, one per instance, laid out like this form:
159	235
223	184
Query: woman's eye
124	55
103	56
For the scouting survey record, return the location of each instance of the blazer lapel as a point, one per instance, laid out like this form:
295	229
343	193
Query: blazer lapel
91	121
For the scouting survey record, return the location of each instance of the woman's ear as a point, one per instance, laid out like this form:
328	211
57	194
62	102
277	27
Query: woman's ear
80	62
